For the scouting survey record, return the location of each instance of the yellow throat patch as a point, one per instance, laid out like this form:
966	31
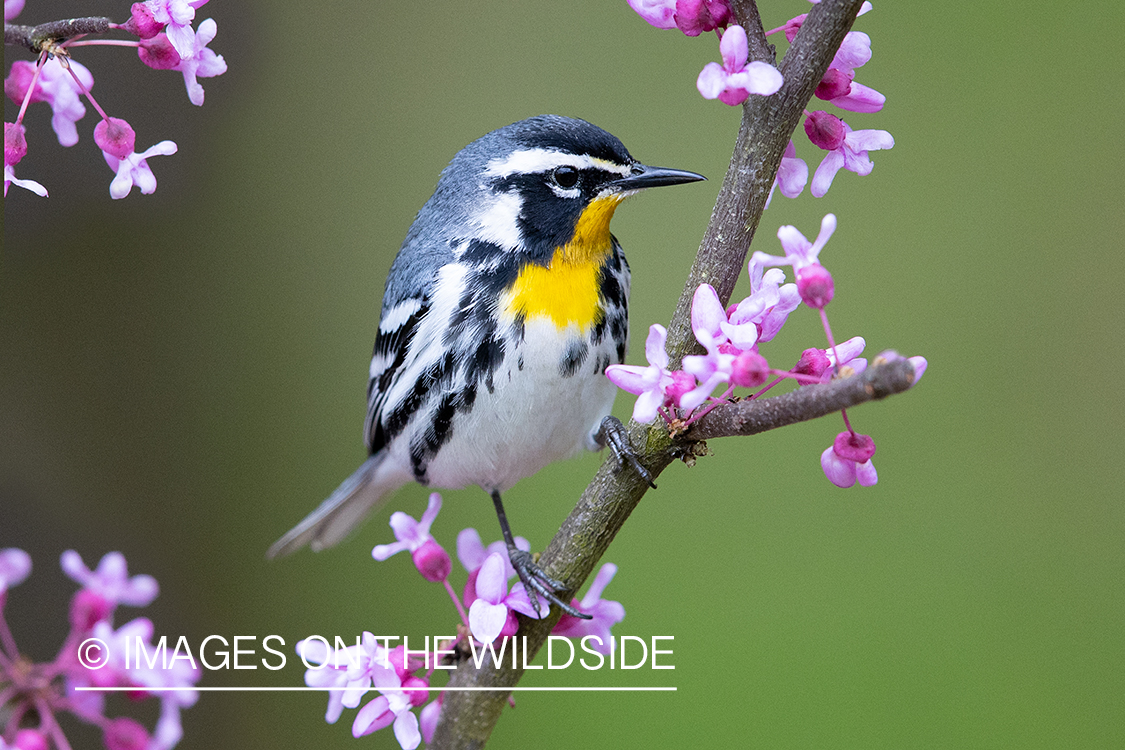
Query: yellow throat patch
566	290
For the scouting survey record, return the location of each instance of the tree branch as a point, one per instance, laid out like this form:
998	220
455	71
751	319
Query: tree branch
34	37
467	718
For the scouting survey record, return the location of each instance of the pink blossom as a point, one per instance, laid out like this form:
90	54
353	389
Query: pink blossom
848	460
201	62
851	155
799	252
606	613
111	580
431	560
734	80
134	169
491	611
57	87
647	383
12	9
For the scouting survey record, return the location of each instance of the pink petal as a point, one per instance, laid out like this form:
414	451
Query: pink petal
712	80
707	312
839	471
470	549
630	378
761	78
869	140
645	409
406	730
825	173
734	49
492	583
865	473
654	346
372	717
920	365
861	99
487	620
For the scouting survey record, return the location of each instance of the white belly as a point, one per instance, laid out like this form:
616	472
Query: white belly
532	417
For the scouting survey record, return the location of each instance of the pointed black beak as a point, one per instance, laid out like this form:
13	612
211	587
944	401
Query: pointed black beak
646	177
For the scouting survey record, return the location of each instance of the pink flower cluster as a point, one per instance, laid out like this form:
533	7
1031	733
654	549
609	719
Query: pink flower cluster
731	337
166	41
93	656
847	149
487	610
735	79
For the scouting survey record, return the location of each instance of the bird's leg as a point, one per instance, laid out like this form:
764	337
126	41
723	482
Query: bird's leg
612	433
534	579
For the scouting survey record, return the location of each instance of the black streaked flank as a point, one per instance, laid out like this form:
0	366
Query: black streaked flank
573	358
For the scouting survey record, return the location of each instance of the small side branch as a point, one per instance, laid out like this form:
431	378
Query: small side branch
34	37
809	402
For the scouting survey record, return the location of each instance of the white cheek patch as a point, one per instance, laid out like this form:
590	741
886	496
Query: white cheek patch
535	160
497	224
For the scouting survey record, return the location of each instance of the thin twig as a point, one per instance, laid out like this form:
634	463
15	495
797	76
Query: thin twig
34	37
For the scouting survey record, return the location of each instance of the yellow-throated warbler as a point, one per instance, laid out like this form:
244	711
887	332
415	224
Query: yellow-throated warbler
505	304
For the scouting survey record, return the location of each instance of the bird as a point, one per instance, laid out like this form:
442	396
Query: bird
504	306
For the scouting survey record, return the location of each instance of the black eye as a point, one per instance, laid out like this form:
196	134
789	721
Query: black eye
565	177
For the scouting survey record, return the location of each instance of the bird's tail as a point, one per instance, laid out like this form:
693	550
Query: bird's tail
344	509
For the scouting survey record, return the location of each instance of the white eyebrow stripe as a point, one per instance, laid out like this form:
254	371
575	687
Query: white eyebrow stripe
535	160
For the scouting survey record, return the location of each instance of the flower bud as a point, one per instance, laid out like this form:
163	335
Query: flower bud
815	285
432	561
114	136
825	130
835	83
15	145
854	447
812	362
141	23
749	370
694	17
158	53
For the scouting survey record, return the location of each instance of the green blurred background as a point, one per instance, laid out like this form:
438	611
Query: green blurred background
182	374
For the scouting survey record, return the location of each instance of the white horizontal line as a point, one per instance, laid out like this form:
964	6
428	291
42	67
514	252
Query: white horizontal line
303	688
